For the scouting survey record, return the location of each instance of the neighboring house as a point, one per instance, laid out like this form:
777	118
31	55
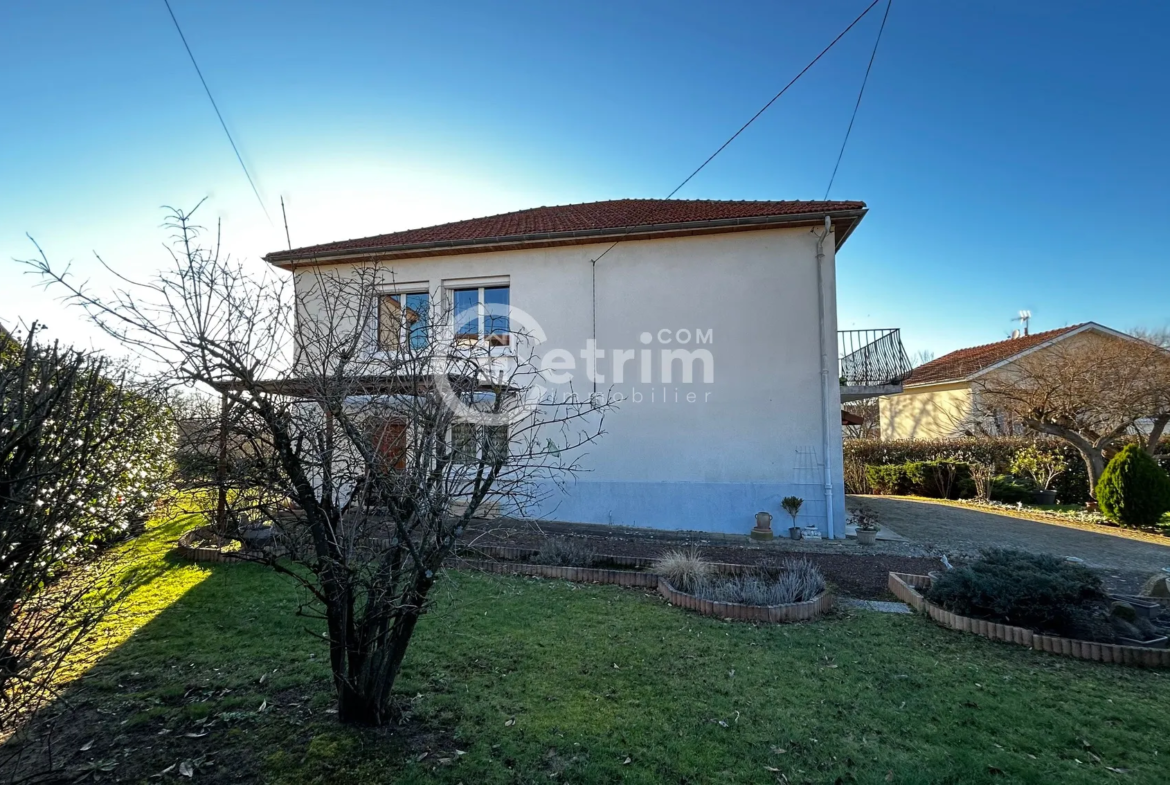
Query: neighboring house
735	304
940	398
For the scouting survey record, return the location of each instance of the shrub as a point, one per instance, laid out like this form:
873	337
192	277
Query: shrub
685	569
1008	489
889	480
794	580
1133	489
565	552
943	479
1042	592
1042	466
1072	487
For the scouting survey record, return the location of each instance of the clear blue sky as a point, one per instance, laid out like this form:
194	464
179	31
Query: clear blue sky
1013	155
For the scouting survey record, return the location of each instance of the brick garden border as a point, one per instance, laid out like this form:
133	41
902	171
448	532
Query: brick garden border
190	552
906	588
797	611
576	574
632	578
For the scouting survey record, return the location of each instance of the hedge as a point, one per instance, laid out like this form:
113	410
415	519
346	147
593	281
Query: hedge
937	479
860	455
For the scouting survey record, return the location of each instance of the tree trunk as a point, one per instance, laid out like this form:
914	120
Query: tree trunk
354	708
365	693
1095	463
1155	439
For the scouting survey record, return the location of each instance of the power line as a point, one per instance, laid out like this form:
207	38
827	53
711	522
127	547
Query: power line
860	93
217	112
756	116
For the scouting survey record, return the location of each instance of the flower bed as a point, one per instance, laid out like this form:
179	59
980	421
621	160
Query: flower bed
906	588
797	611
192	548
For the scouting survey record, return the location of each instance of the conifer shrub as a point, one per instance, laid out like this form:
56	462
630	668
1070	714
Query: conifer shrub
1133	489
1041	592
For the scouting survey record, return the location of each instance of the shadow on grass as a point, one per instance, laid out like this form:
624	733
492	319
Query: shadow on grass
517	680
187	642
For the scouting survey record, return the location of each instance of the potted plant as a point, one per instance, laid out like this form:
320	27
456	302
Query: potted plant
1043	467
791	505
867	527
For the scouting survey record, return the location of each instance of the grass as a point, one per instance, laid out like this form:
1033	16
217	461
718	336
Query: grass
524	680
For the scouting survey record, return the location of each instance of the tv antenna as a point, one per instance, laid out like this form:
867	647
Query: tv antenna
1023	319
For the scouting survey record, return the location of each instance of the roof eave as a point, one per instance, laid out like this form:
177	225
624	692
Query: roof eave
847	219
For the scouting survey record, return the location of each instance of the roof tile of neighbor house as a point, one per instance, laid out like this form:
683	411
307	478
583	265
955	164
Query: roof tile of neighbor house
616	215
964	362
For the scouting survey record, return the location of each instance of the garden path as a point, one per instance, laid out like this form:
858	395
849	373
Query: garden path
964	532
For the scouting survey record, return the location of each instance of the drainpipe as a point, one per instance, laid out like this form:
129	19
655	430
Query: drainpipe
826	393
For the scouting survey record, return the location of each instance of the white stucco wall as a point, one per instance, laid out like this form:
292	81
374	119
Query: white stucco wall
749	437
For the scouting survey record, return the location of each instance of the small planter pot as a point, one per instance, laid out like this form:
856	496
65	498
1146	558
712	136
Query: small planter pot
1144	607
1044	497
795	532
867	536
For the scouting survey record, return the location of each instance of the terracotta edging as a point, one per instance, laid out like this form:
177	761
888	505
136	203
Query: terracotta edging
797	611
194	553
576	574
906	586
516	553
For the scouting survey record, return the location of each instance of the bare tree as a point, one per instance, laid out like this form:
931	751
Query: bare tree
383	421
1092	392
80	455
921	357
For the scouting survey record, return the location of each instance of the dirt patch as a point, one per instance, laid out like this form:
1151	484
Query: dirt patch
864	576
78	740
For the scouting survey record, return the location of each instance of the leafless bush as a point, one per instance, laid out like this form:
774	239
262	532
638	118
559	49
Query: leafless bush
566	552
684	569
376	426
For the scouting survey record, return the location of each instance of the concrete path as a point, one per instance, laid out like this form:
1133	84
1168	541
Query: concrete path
964	532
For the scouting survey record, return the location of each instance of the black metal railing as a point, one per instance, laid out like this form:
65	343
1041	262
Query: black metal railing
871	358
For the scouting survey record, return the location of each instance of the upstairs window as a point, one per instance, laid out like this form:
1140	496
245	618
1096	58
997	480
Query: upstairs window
402	320
481	315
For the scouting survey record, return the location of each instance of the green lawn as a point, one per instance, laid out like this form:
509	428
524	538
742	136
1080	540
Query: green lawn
523	680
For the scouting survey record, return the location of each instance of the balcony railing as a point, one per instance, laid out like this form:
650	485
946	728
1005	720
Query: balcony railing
872	358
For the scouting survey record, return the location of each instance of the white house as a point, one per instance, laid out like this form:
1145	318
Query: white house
714	321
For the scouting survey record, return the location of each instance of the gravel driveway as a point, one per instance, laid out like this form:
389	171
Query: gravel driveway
959	532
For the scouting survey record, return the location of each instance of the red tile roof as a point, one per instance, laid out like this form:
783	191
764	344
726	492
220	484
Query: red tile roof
595	219
961	364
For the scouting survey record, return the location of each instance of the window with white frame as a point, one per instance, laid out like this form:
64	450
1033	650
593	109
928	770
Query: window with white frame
403	320
471	442
481	314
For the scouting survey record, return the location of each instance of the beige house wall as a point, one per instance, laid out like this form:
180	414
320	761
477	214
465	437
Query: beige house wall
930	412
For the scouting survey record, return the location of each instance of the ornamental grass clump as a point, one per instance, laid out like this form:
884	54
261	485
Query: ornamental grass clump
564	552
1134	490
684	569
793	580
